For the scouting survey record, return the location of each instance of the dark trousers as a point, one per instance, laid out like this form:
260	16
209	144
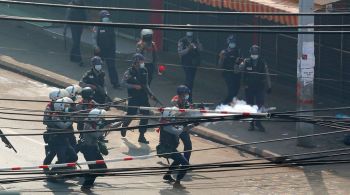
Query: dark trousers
190	74
186	140
66	150
75	54
134	111
92	153
178	159
255	96
150	69
109	58
232	84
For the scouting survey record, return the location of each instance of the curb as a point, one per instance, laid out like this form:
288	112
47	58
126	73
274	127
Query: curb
61	81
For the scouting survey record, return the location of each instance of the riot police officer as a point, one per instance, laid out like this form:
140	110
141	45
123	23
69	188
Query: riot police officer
168	143
95	78
90	145
148	49
105	46
61	143
228	58
74	14
256	80
189	49
86	104
181	100
135	79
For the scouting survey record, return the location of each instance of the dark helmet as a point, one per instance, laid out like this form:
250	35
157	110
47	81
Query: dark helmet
254	50
182	89
104	13
231	39
96	60
136	58
87	93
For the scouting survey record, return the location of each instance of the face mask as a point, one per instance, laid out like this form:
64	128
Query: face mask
105	19
147	38
142	65
67	109
189	34
187	97
232	45
254	57
98	67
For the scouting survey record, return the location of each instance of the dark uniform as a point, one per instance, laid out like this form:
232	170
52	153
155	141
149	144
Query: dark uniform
185	135
50	154
137	97
228	59
91	151
61	143
106	41
149	52
74	14
190	60
96	82
255	83
168	143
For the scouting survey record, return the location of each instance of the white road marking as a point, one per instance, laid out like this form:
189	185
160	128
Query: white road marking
27	138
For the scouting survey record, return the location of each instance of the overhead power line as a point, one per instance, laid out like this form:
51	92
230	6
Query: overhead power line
166	27
171	11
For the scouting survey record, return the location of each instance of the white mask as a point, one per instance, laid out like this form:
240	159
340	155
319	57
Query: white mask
67	109
187	97
105	19
254	57
98	67
189	34
142	65
232	45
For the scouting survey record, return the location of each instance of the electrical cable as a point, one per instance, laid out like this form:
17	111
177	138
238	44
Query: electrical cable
172	11
163	27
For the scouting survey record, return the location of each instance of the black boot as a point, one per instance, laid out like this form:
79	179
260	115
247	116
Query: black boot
142	139
168	178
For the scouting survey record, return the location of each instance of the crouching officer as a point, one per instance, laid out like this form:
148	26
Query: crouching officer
95	78
181	100
256	80
93	145
168	143
61	122
135	79
54	95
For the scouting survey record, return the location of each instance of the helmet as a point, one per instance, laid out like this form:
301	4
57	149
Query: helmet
104	13
136	58
96	60
94	114
87	93
145	32
254	50
56	94
231	39
73	90
62	103
182	89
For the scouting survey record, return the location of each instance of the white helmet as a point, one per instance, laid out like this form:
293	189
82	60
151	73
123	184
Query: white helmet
56	94
94	114
145	32
62	103
73	90
170	111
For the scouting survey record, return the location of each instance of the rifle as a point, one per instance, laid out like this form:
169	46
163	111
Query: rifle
150	93
6	141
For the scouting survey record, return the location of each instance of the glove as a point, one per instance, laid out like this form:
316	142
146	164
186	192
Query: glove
268	91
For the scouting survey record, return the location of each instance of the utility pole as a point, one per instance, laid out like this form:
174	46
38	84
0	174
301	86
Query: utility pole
305	73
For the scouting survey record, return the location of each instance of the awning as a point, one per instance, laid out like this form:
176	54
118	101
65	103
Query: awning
259	6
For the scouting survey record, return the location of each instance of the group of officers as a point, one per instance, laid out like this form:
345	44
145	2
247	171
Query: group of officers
89	112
